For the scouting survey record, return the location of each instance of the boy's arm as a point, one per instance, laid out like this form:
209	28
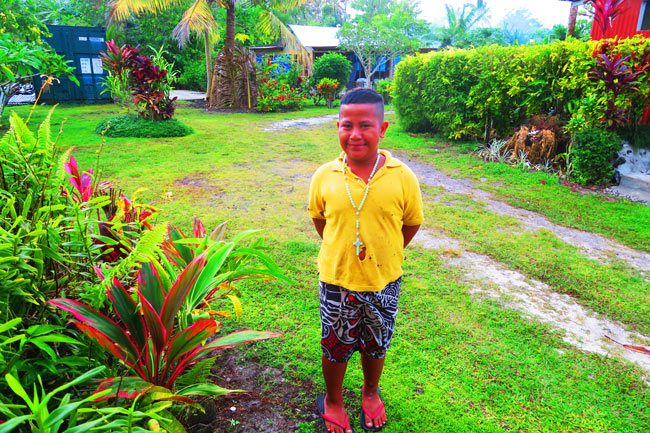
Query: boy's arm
319	223
407	231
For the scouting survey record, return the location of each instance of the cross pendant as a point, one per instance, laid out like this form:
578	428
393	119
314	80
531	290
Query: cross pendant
358	244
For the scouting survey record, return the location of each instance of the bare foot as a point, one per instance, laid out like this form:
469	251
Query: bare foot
336	419
375	413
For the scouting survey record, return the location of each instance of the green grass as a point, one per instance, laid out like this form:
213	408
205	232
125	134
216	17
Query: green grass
458	363
620	219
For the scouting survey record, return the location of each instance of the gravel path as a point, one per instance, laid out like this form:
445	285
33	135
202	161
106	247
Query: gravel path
592	245
582	328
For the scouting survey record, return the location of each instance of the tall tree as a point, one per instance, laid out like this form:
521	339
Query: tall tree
518	26
199	19
320	12
460	21
378	40
573	17
23	53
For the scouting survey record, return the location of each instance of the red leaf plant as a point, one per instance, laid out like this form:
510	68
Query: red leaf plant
121	214
144	334
606	11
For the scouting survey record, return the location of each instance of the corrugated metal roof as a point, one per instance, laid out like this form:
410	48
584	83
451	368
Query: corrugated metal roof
625	25
315	36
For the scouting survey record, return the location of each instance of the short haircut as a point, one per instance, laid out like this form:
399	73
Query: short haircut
362	95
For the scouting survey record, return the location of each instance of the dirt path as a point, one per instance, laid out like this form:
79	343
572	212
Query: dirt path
592	245
582	328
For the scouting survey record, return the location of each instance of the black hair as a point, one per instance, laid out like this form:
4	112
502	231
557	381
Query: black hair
361	95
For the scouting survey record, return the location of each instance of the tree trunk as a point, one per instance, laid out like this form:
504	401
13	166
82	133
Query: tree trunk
368	75
573	16
229	43
208	64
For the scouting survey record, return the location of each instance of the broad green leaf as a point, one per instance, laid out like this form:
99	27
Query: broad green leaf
11	424
178	292
174	235
96	320
10	324
210	389
18	389
236	303
190	337
150	286
200	290
240	337
127	311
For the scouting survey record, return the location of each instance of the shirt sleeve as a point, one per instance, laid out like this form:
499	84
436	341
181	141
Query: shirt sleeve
413	208
316	205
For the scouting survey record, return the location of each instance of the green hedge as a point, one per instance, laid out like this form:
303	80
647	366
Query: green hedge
463	93
129	125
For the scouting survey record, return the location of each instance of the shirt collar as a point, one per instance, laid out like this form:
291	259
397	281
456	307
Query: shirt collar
390	161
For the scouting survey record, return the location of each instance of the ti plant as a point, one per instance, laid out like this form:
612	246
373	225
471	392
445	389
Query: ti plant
146	334
619	79
227	263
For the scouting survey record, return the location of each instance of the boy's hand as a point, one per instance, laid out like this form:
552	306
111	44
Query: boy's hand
320	226
408	232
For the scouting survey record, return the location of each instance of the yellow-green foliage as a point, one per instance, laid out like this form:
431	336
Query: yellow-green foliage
461	93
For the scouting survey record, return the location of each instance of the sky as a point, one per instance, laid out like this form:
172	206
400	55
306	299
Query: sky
548	12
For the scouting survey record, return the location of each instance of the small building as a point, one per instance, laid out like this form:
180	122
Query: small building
81	47
318	40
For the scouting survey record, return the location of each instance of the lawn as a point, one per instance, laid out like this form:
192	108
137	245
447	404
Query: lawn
459	363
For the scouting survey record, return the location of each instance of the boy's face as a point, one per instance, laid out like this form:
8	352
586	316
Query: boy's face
361	126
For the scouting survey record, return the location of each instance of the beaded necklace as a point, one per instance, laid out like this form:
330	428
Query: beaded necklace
357	243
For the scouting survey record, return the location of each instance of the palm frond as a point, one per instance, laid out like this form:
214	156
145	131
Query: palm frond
121	10
197	19
286	5
272	25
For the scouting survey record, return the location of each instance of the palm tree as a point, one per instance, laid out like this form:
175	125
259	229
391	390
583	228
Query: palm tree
573	16
198	19
461	20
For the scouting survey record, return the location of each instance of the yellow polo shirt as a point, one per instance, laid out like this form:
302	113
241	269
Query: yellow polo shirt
394	200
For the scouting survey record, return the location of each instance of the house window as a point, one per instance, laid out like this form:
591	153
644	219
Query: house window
644	16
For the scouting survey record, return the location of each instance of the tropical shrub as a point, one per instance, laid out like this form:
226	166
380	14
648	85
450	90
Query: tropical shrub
129	125
385	88
280	88
491	90
328	89
160	334
334	66
42	413
150	84
193	76
593	151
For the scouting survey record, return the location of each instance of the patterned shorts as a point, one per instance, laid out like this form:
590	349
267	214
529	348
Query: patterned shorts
353	321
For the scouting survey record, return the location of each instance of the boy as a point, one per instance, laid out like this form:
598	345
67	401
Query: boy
366	206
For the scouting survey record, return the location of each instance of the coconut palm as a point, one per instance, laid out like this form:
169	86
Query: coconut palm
573	16
459	21
199	20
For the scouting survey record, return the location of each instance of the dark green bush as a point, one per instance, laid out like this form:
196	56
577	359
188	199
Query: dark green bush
385	88
476	92
593	151
128	125
332	65
193	76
